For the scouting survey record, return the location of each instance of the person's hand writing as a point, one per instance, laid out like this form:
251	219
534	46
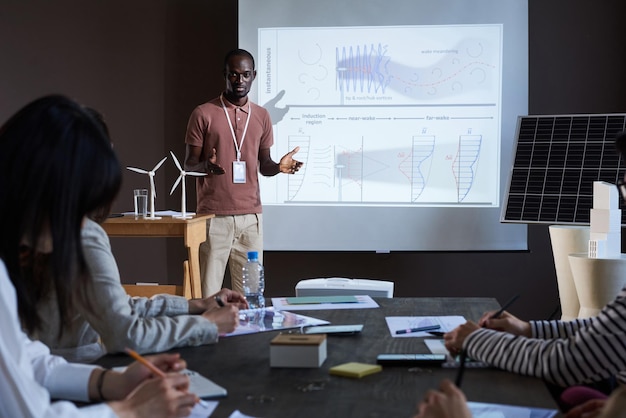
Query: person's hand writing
589	409
227	296
226	319
212	167
447	402
505	322
454	339
233	297
119	385
164	397
287	164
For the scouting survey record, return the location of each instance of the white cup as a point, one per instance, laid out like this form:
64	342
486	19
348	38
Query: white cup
140	198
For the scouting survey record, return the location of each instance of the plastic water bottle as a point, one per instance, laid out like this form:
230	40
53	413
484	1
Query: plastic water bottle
254	281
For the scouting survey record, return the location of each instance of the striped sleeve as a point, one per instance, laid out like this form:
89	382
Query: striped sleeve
564	353
557	329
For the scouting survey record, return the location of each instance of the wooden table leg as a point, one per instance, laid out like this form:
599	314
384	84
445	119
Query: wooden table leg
187	279
195	234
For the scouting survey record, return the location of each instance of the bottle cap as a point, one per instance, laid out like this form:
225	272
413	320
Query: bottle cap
253	255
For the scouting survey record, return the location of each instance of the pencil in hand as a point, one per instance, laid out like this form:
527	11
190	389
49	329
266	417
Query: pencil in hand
154	369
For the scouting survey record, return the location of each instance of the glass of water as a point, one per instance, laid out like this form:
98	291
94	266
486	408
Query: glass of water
140	198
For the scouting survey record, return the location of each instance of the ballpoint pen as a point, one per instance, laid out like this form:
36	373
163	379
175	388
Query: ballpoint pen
154	369
418	329
504	307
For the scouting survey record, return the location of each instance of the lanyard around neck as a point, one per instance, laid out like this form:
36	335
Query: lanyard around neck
239	146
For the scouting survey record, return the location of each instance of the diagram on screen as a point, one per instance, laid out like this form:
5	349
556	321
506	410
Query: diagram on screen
362	70
405	115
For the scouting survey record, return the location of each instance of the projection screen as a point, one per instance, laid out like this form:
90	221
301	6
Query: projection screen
404	112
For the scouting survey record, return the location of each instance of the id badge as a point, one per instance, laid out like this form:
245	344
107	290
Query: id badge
239	171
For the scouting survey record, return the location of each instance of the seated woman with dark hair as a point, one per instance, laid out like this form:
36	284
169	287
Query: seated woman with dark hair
109	320
56	167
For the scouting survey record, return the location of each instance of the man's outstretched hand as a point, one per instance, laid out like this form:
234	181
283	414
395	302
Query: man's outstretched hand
287	164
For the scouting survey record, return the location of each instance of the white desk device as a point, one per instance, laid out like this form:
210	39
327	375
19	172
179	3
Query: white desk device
344	286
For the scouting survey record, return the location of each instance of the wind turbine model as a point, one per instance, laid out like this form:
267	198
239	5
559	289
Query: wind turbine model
183	173
152	189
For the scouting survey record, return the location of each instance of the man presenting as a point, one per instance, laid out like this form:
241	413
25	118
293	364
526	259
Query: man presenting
229	138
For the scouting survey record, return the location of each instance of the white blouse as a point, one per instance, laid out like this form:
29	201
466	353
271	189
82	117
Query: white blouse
30	376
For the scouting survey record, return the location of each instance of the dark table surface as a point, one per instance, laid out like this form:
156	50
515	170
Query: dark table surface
241	364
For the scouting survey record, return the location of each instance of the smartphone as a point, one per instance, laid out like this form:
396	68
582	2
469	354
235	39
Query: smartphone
411	359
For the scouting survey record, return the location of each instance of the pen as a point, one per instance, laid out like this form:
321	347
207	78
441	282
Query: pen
504	307
459	374
154	369
219	301
418	329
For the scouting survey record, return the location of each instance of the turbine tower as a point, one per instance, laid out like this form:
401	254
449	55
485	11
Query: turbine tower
181	179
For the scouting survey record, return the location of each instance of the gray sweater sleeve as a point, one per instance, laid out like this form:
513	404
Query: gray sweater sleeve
564	353
143	324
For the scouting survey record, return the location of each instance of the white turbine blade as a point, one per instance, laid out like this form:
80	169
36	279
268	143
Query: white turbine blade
137	170
159	164
176	184
193	173
176	161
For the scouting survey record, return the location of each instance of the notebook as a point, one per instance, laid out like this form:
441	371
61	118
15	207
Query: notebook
203	387
198	384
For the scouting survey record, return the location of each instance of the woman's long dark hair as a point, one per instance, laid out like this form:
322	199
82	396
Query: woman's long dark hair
56	166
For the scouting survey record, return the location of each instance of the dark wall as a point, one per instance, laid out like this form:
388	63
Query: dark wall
146	63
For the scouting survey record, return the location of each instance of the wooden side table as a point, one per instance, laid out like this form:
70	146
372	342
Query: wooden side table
193	231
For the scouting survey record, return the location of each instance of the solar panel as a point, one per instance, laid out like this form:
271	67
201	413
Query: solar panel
557	159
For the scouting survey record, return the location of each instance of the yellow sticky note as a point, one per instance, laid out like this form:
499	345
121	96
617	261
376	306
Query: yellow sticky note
355	370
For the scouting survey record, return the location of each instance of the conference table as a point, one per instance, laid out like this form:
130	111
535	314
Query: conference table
241	364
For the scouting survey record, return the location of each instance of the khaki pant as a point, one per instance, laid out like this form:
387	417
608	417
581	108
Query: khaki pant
229	238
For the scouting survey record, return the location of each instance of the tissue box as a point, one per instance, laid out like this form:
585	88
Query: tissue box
298	350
